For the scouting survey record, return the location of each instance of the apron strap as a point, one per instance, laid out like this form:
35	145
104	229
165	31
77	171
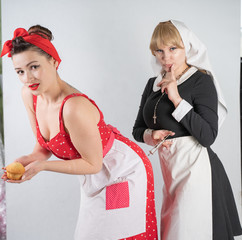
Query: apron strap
111	139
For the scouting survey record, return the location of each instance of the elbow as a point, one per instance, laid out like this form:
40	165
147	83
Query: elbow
97	167
138	135
208	139
133	134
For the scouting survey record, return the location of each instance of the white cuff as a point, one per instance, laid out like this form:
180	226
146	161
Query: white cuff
182	109
148	137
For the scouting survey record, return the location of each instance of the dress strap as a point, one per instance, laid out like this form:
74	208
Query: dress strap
62	128
34	102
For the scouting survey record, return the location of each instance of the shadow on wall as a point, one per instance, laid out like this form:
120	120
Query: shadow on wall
2	162
2	198
2	183
241	110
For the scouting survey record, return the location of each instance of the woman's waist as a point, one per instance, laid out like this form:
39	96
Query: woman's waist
187	144
120	164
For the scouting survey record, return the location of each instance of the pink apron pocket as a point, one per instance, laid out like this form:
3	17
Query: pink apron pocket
117	196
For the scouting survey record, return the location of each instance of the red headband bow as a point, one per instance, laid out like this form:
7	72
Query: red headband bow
34	39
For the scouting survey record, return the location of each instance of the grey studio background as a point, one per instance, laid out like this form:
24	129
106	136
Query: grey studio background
104	46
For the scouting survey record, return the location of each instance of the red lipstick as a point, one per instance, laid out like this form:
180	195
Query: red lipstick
34	86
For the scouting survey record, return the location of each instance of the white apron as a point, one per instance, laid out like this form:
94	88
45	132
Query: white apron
187	201
113	201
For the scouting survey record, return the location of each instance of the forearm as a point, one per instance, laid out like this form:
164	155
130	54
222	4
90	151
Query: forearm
138	133
202	126
205	132
34	156
40	154
75	166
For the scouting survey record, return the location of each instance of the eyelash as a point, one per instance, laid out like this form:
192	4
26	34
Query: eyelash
159	50
20	72
171	49
33	67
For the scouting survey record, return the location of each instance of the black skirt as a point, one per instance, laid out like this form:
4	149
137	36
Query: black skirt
226	223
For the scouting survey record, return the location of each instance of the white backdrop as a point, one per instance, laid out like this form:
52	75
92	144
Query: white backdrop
104	46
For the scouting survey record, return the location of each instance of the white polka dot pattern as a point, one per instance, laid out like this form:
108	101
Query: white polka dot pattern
117	196
62	147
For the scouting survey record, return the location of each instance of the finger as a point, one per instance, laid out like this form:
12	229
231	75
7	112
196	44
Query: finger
167	143
4	175
165	147
172	70
164	80
156	141
14	181
4	178
168	132
159	84
169	69
163	88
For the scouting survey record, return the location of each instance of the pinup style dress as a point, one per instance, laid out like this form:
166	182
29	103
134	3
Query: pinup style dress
198	202
117	202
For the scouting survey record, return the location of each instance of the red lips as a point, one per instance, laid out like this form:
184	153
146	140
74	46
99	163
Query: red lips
34	86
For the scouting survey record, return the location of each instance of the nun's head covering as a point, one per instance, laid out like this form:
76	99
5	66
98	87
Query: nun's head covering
197	56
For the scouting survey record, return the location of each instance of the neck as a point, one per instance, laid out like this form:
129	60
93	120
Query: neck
182	71
55	92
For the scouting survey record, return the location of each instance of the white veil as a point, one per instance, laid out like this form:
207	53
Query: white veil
197	56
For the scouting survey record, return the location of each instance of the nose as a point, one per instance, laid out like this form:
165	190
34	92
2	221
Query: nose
28	77
166	55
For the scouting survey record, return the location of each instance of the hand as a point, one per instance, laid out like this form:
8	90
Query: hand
159	135
4	176
30	171
168	85
24	160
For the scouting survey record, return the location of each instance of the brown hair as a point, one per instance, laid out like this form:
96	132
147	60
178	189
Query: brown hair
20	45
165	33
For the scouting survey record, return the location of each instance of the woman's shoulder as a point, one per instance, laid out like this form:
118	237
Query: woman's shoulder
149	84
201	78
77	105
201	75
151	80
76	101
202	81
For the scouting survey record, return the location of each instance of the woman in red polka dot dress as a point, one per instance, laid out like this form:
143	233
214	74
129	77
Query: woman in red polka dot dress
117	189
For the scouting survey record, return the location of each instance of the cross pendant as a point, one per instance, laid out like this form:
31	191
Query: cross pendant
154	117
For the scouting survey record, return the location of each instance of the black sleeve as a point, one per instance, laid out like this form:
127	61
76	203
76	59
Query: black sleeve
202	120
140	125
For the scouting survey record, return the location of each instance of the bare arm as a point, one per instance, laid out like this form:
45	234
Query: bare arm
81	118
39	153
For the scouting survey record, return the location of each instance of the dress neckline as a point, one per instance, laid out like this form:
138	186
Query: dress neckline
61	124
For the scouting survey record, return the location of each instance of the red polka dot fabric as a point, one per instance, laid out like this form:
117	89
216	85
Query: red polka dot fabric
117	196
62	147
151	223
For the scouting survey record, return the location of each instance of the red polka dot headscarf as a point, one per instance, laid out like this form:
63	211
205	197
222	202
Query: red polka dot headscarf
34	39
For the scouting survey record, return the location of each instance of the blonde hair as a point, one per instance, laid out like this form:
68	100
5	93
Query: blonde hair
165	33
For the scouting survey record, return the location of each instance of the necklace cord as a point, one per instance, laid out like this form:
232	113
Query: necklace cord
156	105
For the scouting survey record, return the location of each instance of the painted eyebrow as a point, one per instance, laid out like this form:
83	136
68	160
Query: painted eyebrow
27	64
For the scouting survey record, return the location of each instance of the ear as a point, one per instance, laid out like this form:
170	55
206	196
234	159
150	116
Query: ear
54	62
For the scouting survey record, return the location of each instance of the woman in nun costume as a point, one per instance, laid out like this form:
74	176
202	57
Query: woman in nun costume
185	97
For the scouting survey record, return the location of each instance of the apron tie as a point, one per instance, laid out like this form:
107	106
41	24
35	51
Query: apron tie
114	131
